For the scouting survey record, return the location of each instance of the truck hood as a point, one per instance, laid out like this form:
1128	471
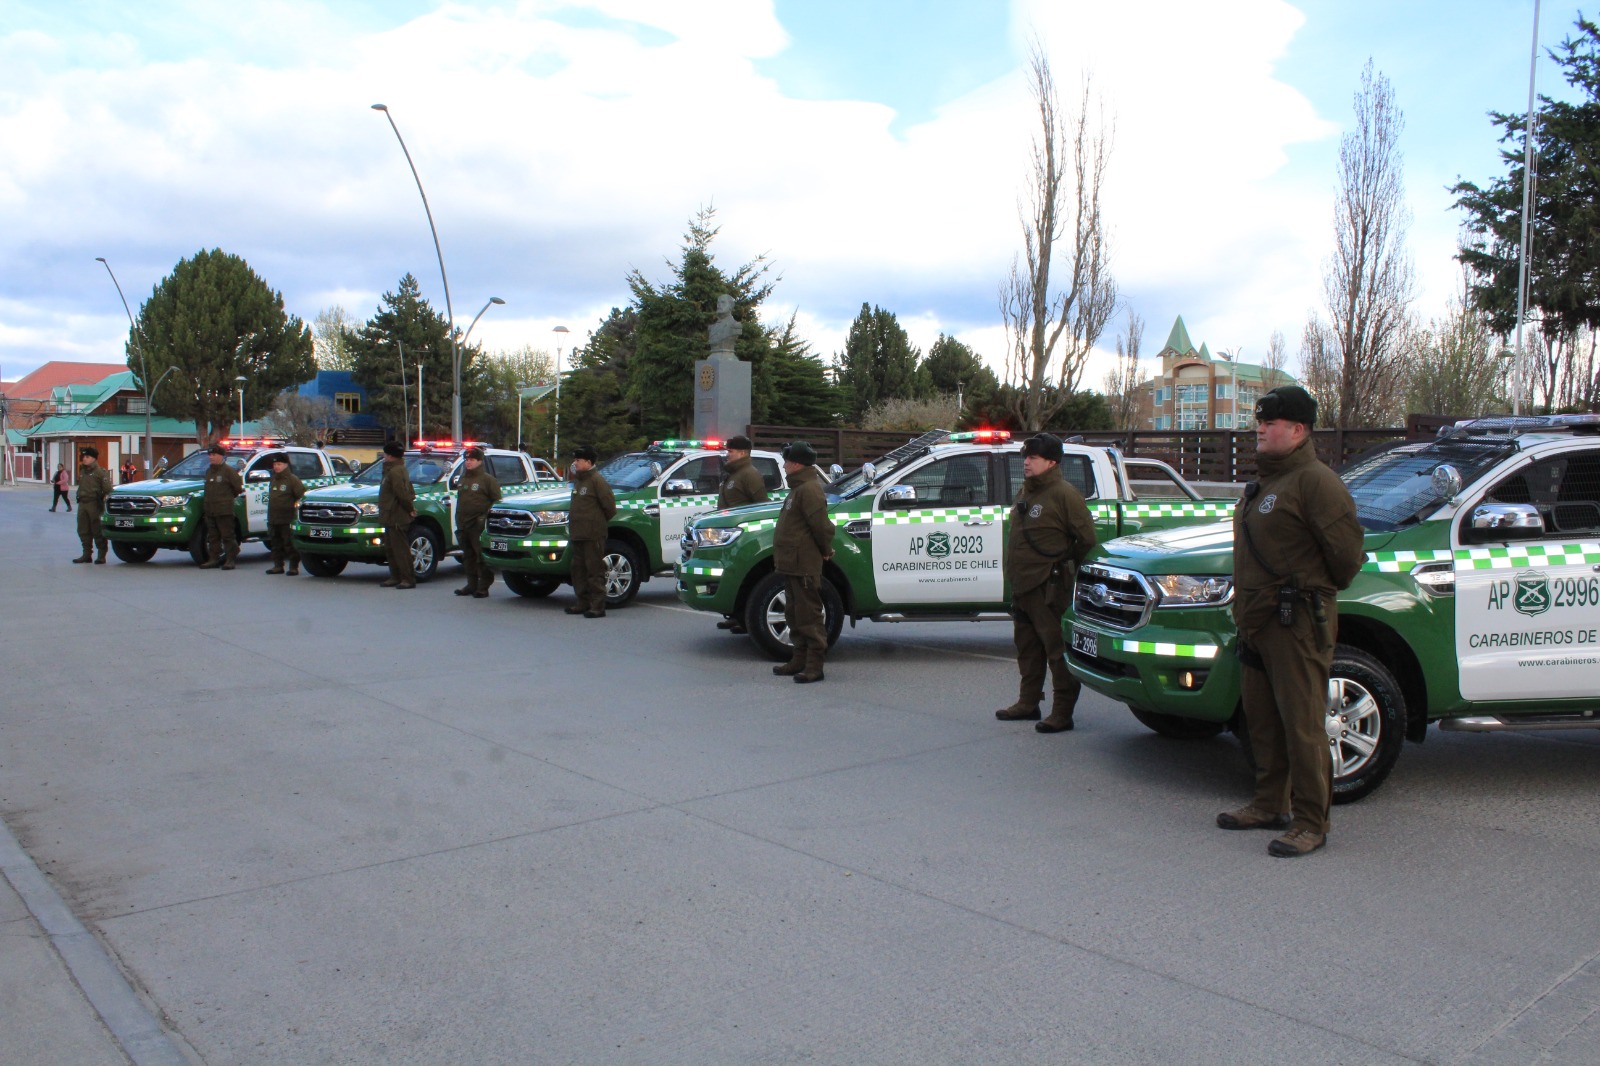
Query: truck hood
538	501
159	487
1202	549
345	492
740	516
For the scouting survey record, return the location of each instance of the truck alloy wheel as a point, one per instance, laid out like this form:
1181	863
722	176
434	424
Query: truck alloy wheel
1366	723
426	549
764	616
624	572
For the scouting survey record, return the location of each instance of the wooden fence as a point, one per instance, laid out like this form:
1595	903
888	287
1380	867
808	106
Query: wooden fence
1220	455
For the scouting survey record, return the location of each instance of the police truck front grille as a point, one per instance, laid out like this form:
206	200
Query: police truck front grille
510	523
1119	598
131	505
329	514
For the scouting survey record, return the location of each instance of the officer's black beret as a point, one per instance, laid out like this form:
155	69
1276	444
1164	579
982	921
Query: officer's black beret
739	442
217	449
394	450
1288	402
88	451
586	452
475	453
1044	446
800	452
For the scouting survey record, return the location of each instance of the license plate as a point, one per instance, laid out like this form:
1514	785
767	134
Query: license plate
499	546
124	523
1085	642
319	534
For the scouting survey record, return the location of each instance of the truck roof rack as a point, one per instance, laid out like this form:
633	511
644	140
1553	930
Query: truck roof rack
1512	424
916	446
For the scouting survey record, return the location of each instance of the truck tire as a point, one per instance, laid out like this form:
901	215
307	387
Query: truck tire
198	551
323	565
534	588
133	553
624	572
763	616
1178	727
426	551
1366	723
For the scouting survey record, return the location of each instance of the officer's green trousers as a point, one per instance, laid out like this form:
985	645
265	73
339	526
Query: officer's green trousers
1285	710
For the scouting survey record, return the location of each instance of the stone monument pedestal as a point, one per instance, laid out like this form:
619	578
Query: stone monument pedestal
721	396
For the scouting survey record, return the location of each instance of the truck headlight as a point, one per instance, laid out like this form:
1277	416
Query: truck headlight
550	518
1184	590
172	501
368	510
716	536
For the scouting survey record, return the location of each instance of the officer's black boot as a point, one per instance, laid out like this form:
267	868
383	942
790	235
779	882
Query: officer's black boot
813	670
796	663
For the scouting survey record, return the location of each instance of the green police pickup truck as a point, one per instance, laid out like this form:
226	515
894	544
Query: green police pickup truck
164	512
658	490
1478	606
921	534
340	524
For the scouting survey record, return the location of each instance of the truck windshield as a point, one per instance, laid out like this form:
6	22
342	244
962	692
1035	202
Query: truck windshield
424	469
1394	488
195	464
854	484
634	471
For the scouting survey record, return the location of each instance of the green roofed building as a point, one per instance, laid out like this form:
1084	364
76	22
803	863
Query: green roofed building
1198	390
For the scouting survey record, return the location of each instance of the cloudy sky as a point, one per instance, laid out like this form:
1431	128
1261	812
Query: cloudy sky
873	150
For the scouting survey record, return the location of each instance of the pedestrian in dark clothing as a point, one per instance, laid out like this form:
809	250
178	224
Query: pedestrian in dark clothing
742	484
1051	532
801	543
477	492
223	485
94	485
588	521
284	493
1296	543
397	501
60	483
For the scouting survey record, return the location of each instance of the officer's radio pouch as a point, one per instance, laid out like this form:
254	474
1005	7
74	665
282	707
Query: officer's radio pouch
1287	598
1058	588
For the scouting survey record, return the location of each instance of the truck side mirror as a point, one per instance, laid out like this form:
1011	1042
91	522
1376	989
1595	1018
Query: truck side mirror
677	487
899	496
1505	521
259	474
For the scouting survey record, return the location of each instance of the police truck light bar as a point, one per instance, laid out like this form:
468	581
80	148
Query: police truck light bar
253	442
445	445
981	436
710	444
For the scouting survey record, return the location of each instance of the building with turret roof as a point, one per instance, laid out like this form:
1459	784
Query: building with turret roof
1198	390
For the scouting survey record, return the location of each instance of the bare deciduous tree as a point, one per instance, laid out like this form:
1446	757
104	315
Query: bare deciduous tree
1272	372
1319	369
1123	379
1062	225
330	336
1367	284
304	419
1454	365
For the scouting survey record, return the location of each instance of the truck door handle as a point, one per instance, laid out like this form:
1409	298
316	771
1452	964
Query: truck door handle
979	522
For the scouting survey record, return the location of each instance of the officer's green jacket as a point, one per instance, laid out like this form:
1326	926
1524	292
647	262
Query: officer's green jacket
223	486
1302	524
741	484
1050	524
477	492
396	498
94	485
592	508
283	492
805	532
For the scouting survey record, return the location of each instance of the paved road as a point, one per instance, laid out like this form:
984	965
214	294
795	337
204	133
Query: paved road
319	821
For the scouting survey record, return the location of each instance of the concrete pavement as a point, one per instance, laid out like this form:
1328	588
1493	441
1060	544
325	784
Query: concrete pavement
318	821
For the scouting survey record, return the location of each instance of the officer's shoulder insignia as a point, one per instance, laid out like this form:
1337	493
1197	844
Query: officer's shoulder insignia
1268	504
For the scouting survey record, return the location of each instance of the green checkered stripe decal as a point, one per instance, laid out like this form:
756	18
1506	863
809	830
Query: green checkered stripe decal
668	501
941	514
758	525
1521	555
536	542
1171	510
1508	558
1176	651
697	569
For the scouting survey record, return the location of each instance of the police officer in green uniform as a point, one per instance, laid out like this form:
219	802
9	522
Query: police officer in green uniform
589	517
94	485
477	492
1296	544
801	543
223	486
1051	532
741	484
284	493
397	501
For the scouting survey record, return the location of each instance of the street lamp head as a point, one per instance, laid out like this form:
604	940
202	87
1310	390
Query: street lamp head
561	329
380	107
496	300
99	259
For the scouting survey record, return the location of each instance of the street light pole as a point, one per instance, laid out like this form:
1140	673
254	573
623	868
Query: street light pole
455	350
1526	234
144	370
555	441
241	380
